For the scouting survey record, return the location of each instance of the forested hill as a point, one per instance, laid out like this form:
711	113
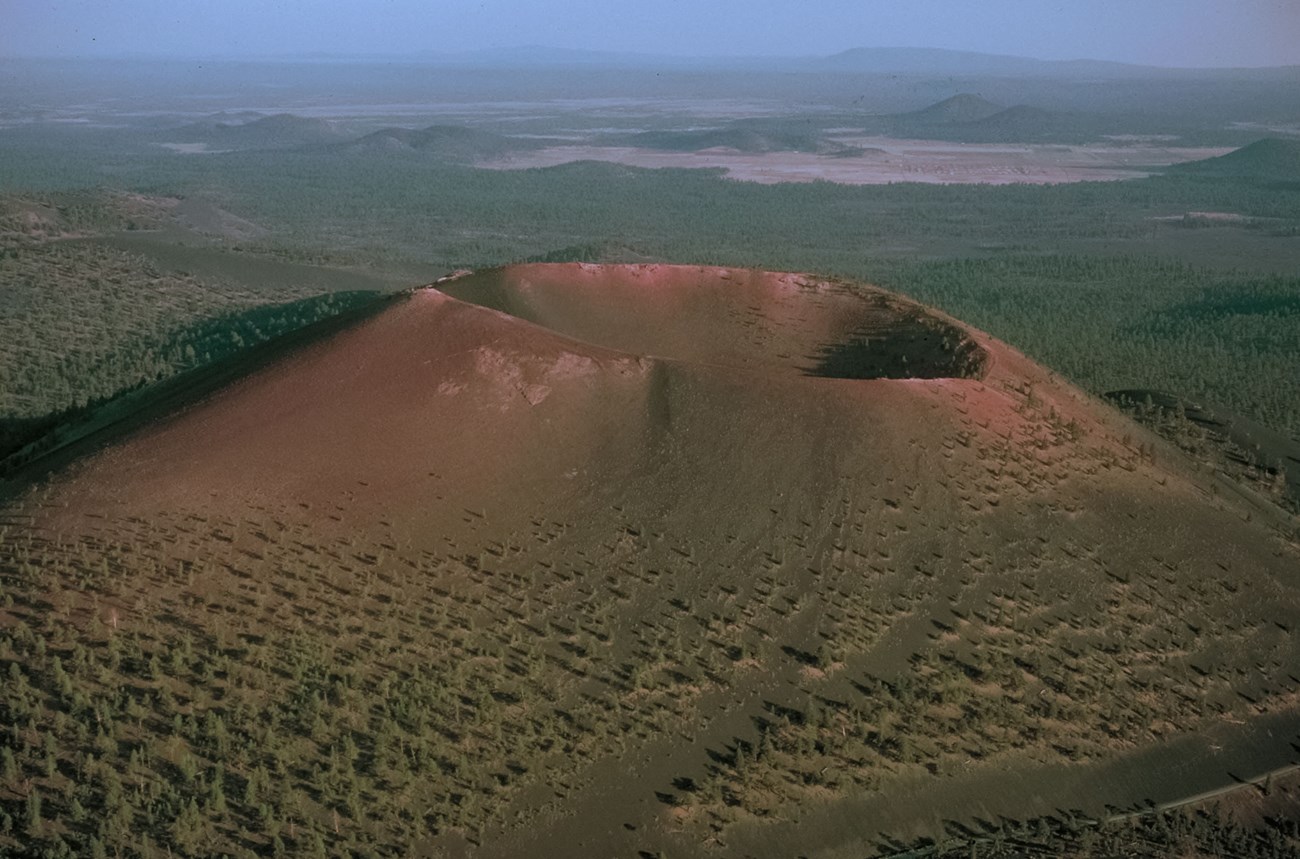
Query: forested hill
1270	158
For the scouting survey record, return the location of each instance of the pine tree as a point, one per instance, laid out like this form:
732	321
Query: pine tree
8	766
35	825
188	829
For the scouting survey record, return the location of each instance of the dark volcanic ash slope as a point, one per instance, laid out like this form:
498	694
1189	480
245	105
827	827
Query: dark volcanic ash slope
565	559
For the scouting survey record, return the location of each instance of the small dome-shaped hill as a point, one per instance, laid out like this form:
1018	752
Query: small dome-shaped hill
447	141
641	559
963	107
1270	158
973	119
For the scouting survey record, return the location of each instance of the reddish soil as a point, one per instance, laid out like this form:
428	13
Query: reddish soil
676	436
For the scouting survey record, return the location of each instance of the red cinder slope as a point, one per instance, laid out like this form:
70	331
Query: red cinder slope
581	560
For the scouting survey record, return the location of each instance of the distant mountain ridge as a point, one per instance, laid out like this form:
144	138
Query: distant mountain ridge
865	60
940	60
860	60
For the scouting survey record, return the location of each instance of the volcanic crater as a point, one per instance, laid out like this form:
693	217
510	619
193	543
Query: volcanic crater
561	560
733	318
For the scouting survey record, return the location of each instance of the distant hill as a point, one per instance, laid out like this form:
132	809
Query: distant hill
447	141
281	130
973	119
1022	121
1270	158
740	139
963	107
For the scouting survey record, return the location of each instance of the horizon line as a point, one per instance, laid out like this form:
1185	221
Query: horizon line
594	57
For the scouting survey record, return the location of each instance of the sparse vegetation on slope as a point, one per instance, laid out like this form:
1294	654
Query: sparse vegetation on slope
1267	461
697	626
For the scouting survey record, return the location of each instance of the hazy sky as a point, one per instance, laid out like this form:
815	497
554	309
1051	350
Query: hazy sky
1157	32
